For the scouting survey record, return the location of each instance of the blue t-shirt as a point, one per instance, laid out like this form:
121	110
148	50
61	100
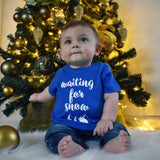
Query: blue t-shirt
80	94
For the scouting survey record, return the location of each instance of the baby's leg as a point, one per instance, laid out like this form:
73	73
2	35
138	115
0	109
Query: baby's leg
68	148
118	144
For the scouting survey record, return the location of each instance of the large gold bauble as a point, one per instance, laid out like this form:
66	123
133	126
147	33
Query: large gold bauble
9	137
26	17
8	68
7	91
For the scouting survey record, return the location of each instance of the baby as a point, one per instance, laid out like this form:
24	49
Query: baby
86	97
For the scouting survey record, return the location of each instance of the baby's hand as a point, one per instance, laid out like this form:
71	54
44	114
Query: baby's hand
103	126
33	97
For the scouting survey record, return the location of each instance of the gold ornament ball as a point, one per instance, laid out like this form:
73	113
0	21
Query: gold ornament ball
114	6
9	137
7	91
16	17
44	12
26	17
8	68
120	44
20	43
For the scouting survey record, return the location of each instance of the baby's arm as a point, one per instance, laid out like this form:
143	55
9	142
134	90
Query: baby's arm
43	96
109	114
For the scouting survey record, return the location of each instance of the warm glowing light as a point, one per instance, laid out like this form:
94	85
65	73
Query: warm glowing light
55	49
50	33
27	65
124	107
135	118
123	92
35	54
59	32
136	88
25	42
17	52
17	61
145	126
43	23
41	81
32	28
30	80
124	65
47	49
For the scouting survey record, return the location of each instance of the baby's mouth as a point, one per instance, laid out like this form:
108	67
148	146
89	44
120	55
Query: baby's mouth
74	53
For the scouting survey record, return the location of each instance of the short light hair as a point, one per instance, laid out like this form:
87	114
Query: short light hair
83	24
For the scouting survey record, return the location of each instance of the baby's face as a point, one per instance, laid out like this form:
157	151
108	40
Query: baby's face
78	46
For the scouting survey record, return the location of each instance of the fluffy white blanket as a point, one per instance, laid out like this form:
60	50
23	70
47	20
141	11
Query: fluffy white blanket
145	145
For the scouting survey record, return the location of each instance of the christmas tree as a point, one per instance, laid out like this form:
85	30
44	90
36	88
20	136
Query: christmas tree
31	59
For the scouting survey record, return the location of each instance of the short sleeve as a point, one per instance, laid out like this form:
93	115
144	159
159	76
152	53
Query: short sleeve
108	80
53	85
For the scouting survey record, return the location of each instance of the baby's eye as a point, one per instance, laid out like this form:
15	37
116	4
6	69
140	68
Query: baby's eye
83	39
67	42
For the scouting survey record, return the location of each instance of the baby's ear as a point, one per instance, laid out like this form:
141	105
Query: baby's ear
59	52
98	49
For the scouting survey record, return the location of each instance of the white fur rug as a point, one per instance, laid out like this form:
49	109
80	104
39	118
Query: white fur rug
145	146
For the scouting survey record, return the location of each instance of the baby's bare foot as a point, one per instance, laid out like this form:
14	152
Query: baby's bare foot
119	144
68	148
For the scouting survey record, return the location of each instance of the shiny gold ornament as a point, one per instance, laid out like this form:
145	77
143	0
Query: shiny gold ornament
26	17
106	27
8	68
10	51
79	10
7	91
38	34
20	43
16	17
114	6
120	44
44	12
136	88
109	34
107	39
9	137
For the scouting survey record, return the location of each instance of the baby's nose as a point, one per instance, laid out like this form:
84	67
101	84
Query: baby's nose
76	45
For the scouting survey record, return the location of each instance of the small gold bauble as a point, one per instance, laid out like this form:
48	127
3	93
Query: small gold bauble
114	6
8	91
16	17
9	137
10	51
8	68
44	12
120	44
20	43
